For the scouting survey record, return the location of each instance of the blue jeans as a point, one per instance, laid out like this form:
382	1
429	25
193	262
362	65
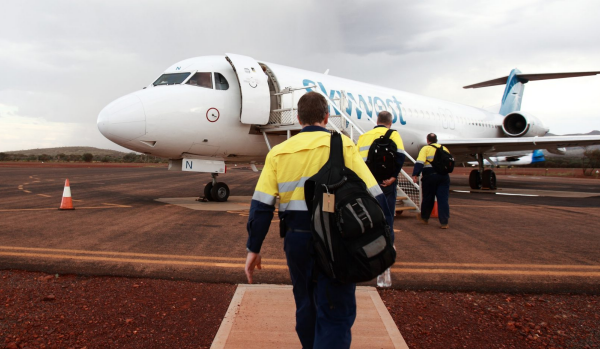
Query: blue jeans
325	309
436	186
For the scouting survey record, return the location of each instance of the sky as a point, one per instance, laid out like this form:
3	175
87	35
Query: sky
62	61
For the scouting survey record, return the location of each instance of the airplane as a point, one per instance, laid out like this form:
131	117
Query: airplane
513	160
204	112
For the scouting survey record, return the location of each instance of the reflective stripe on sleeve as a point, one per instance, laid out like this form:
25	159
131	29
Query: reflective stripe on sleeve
291	186
367	147
364	159
428	165
264	198
375	190
294	205
420	162
430	157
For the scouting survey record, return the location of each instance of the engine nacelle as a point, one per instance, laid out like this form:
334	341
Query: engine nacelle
521	124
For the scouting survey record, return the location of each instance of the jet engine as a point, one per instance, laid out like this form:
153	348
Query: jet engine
521	124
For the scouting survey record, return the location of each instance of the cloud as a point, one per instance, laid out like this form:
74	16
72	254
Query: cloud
21	133
61	62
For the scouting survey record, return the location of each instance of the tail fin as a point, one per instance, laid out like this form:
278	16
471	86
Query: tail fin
537	156
513	93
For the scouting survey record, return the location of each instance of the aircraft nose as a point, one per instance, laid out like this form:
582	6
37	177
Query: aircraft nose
123	119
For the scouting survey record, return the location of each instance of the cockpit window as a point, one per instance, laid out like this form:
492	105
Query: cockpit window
171	79
201	79
220	82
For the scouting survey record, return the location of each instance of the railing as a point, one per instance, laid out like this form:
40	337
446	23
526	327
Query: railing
406	185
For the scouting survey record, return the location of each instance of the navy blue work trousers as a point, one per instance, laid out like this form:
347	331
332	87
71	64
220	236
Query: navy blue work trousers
436	186
391	193
325	309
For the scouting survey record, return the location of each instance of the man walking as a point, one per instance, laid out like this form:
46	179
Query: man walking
435	185
384	170
325	308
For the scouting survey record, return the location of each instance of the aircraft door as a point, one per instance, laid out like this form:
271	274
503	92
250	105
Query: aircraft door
254	89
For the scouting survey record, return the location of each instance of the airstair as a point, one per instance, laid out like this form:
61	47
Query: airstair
284	121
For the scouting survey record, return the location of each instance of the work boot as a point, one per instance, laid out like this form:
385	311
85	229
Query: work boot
420	219
444	226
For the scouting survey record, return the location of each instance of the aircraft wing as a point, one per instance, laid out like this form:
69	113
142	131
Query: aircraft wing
496	145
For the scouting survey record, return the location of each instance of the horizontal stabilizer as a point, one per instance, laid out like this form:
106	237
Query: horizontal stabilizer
532	77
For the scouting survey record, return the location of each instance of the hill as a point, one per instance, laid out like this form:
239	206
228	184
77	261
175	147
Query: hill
70	151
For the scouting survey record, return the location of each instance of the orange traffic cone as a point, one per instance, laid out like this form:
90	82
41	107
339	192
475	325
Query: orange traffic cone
67	202
434	212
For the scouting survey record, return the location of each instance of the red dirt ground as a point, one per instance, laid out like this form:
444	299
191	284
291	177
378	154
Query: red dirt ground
431	319
38	310
44	311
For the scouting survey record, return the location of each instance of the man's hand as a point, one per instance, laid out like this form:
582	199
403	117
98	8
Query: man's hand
388	182
252	261
416	179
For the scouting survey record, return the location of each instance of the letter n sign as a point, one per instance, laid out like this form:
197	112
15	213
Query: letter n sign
188	164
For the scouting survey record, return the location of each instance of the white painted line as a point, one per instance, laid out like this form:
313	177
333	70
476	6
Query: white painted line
515	194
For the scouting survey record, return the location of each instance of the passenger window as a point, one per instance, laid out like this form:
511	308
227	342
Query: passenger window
220	82
202	80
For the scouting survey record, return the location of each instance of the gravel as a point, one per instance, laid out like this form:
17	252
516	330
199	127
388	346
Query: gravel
38	310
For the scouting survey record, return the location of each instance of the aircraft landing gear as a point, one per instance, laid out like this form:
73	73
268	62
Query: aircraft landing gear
488	180
216	191
482	179
475	179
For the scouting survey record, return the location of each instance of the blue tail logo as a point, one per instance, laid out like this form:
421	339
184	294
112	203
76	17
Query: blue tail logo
513	93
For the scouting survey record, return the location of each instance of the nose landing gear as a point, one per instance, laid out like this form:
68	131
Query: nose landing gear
216	191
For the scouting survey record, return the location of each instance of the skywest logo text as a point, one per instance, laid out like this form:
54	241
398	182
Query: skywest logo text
376	104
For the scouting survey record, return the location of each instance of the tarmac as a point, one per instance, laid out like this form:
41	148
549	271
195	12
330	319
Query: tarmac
146	222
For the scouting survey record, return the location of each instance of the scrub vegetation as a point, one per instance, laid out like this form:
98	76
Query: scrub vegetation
77	154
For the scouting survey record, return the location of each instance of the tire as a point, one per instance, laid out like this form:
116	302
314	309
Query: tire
488	180
474	180
208	191
220	192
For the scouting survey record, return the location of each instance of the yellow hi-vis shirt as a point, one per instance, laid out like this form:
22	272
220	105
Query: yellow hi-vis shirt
427	154
366	139
289	164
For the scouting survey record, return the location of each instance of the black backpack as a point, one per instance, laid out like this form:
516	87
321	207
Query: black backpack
382	157
443	162
352	243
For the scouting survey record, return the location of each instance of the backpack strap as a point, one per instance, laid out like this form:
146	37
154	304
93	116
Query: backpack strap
388	134
336	150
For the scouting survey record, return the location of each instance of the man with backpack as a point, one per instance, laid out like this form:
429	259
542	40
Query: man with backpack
435	162
325	307
383	151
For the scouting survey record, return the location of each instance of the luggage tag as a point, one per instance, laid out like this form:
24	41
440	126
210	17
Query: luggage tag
328	202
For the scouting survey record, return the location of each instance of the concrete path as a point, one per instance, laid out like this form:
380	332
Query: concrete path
263	316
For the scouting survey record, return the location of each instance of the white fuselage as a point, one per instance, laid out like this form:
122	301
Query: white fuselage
174	120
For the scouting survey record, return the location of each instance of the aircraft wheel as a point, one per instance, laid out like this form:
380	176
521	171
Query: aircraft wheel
220	192
208	192
474	180
488	179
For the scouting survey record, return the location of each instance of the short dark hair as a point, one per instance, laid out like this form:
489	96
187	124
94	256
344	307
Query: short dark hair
432	138
384	117
312	108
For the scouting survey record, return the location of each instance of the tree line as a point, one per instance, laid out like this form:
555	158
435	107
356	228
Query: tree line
86	157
